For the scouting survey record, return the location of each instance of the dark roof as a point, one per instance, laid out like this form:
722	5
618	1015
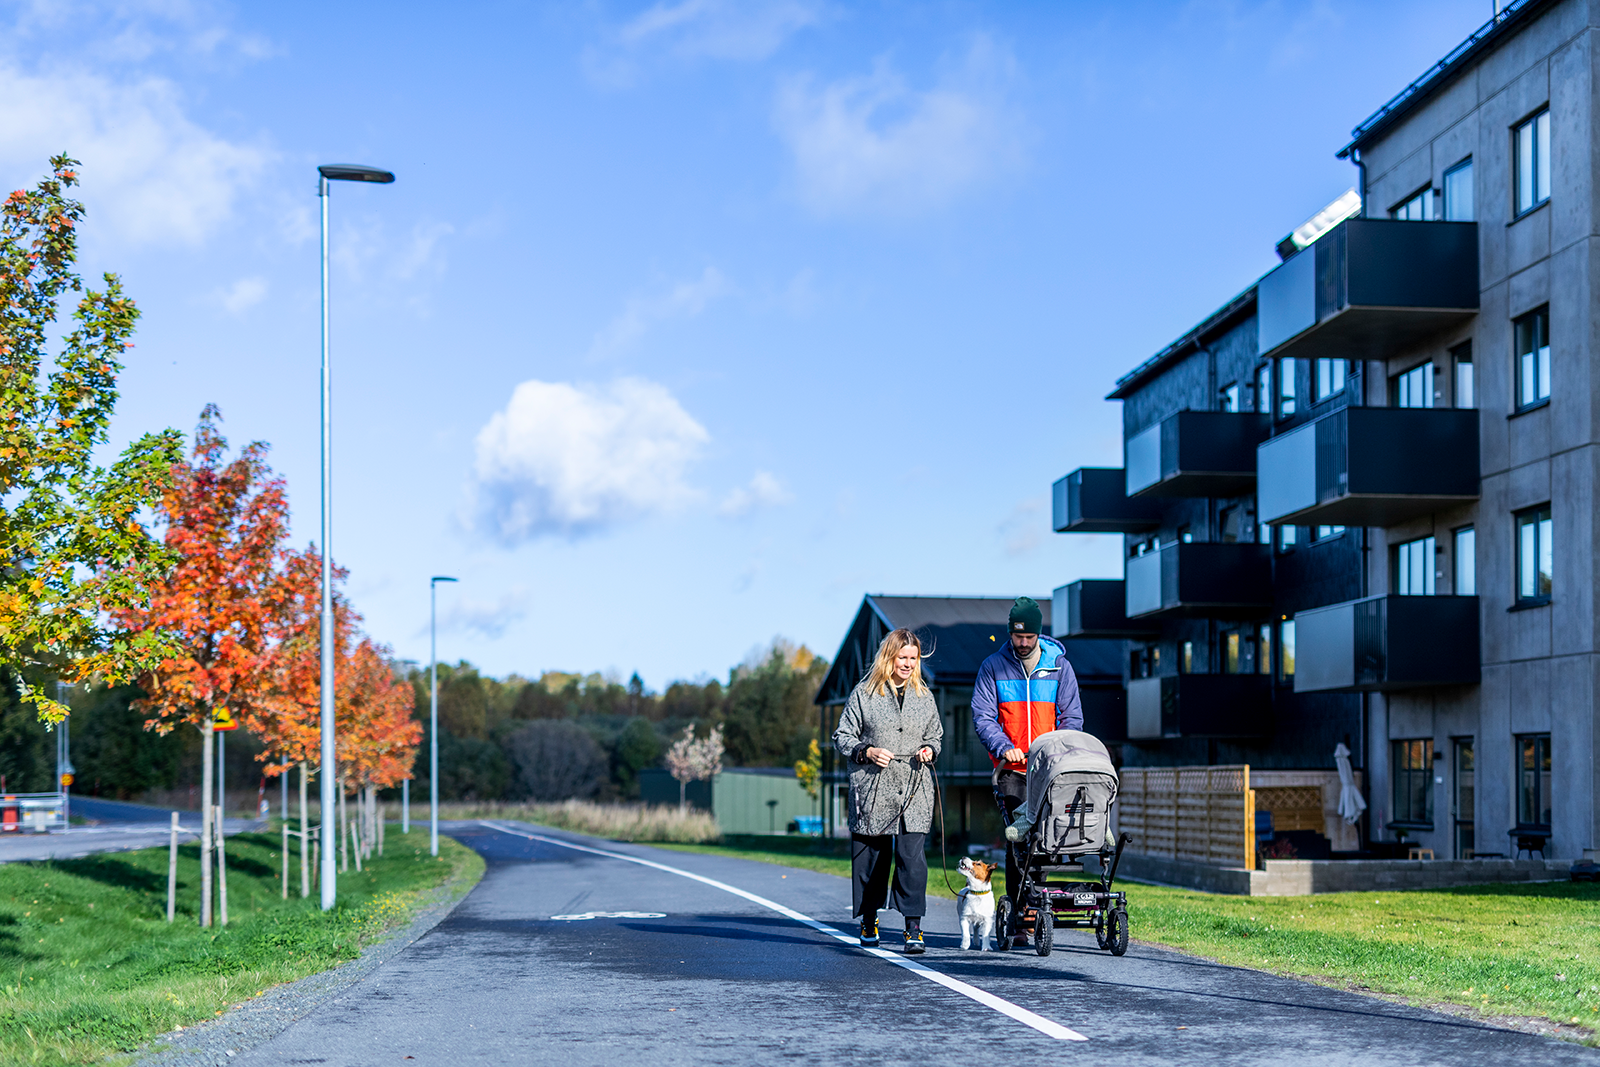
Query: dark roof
1516	14
959	632
1218	320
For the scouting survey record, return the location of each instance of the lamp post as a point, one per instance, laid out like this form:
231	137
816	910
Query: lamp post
433	710
336	172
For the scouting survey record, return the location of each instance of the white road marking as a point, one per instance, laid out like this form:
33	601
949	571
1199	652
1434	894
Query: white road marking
982	996
614	915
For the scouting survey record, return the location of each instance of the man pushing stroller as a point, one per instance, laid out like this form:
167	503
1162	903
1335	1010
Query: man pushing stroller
1025	690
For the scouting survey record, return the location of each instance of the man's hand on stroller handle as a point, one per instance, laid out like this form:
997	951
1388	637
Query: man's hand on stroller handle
1015	755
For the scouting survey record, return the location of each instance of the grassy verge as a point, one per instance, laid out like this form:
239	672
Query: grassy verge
1529	951
89	966
616	822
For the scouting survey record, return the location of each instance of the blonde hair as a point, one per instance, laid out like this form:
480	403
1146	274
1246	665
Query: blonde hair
880	678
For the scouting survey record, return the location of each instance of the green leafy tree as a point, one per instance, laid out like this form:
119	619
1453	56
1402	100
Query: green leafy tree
73	552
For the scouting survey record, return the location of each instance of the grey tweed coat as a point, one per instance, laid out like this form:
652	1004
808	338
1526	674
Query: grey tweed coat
877	794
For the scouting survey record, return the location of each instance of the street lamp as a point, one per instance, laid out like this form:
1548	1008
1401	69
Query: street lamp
433	710
336	172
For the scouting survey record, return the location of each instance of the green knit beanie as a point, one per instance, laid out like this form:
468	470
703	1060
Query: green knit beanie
1026	618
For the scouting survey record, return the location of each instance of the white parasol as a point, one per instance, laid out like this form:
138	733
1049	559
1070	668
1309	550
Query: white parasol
1350	803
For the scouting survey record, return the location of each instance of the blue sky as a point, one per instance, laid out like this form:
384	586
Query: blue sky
687	323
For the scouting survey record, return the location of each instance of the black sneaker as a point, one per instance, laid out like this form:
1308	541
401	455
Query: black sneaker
914	944
869	931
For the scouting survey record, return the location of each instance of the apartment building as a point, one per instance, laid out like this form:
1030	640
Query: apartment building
1358	500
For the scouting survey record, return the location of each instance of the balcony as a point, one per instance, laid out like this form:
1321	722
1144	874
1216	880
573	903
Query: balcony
1388	642
1369	467
1195	454
1200	705
1094	500
1219	580
1368	289
1094	607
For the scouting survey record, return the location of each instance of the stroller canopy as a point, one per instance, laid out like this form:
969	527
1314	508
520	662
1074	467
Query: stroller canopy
1061	752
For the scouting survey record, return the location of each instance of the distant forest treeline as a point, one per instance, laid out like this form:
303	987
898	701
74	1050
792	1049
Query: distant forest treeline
499	739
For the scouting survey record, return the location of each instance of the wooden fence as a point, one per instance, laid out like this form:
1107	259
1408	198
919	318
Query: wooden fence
1204	814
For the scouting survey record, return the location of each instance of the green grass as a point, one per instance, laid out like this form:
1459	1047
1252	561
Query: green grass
1530	950
89	966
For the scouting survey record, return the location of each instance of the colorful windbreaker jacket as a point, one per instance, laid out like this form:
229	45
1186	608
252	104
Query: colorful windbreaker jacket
1010	710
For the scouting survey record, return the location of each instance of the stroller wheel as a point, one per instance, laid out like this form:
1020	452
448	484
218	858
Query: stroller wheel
1117	932
1102	927
1002	925
1044	931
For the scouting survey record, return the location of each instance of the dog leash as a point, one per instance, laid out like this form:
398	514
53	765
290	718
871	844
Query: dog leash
938	807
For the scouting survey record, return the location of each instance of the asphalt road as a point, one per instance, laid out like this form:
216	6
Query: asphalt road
121	827
713	977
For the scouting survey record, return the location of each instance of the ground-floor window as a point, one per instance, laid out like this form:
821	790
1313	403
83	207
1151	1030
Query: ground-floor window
1465	798
1413	783
1533	781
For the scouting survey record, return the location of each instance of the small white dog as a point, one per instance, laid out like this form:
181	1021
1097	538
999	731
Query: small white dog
975	903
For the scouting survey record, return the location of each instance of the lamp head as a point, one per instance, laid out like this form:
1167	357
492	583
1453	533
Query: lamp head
355	172
441	578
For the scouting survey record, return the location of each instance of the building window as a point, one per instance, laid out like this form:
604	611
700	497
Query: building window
1465	801
1287	537
1466	580
1264	388
1535	557
1416	208
1466	384
1413	783
1330	377
1286	650
1533	357
1413	567
1533	781
1230	523
1185	658
1414	388
1533	162
1145	661
1230	397
1263	533
1329	531
1264	649
1458	192
1239	652
1286	383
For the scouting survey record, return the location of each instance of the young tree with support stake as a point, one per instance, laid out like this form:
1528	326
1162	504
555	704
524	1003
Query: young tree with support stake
220	602
72	551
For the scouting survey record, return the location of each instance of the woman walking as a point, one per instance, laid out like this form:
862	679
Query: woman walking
890	731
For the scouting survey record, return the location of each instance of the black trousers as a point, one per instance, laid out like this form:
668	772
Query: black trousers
1013	789
869	870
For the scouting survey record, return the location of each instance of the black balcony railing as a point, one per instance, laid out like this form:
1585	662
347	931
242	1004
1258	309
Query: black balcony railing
1200	705
1388	642
1217	580
1369	288
1195	454
1094	607
1369	467
1095	500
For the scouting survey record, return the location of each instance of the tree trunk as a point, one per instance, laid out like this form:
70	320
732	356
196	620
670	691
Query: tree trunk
207	770
683	796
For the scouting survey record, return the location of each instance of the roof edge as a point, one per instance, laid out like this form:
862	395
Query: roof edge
1193	339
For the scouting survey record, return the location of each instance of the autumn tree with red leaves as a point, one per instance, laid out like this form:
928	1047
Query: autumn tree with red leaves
220	603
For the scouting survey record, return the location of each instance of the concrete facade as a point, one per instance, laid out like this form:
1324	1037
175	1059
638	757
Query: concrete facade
1540	662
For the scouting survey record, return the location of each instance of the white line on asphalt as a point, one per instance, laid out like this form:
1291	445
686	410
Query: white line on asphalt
984	997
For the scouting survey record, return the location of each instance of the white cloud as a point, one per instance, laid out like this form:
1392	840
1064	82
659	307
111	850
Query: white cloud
243	294
1023	530
571	460
421	250
150	173
737	30
488	618
874	144
684	299
763	490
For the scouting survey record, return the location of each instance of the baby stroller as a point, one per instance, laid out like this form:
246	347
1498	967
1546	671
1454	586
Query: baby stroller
1071	787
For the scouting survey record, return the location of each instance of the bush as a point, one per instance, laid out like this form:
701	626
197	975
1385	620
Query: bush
618	822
